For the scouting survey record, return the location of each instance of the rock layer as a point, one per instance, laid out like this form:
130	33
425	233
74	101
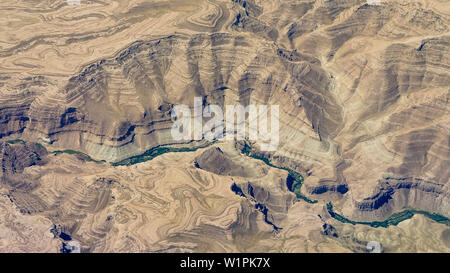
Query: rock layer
363	92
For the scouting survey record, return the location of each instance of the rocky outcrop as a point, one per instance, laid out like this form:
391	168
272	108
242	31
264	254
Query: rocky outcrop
17	155
396	194
213	160
273	203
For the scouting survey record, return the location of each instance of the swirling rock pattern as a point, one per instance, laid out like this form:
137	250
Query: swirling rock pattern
363	92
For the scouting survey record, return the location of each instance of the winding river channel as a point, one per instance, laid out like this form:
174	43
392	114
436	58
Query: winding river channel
294	183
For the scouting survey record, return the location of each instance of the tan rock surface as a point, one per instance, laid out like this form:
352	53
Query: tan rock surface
363	92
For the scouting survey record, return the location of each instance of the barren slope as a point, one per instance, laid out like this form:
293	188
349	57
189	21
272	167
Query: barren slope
363	92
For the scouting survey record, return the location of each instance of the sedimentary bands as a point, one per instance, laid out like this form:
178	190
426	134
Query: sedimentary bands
86	94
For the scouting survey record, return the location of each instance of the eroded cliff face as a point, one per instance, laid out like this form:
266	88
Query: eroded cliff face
363	92
121	107
395	194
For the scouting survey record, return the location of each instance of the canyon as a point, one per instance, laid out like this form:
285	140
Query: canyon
86	94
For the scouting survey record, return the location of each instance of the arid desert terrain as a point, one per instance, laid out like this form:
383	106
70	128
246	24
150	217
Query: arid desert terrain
86	151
